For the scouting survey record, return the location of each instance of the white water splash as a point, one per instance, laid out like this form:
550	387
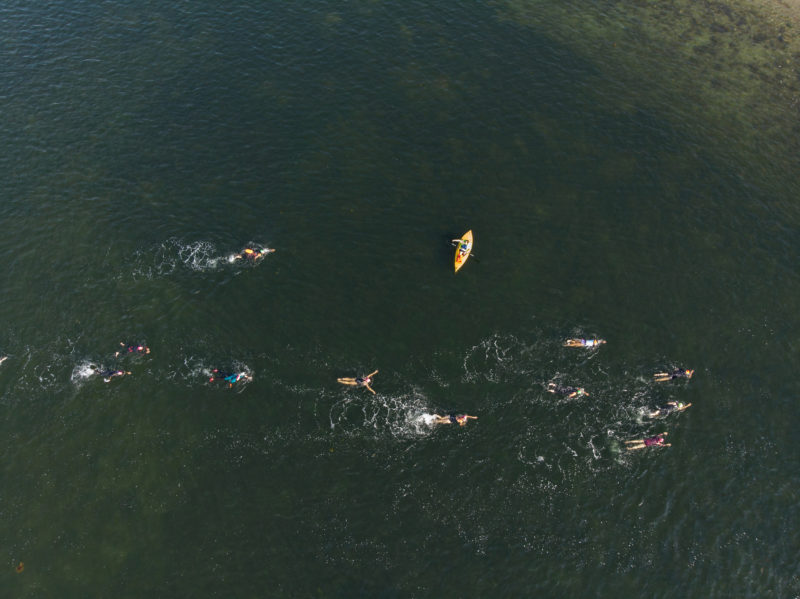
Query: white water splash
403	416
83	371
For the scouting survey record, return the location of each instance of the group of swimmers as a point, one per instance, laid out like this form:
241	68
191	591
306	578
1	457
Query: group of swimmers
230	378
364	381
111	373
108	374
659	377
248	254
565	391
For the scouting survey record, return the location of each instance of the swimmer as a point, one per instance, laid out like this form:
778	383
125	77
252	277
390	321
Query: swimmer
459	419
657	441
583	342
3	359
672	406
132	349
110	374
251	254
230	377
359	381
569	392
464	246
678	373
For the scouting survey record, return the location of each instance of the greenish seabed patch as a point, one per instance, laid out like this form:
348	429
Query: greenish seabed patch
736	64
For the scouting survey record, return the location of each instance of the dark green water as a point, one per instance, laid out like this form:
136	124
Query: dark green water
630	172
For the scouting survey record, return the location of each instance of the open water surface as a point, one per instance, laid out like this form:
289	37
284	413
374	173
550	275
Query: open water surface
629	171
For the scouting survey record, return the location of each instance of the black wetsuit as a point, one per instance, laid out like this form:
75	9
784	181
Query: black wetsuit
678	374
107	374
565	390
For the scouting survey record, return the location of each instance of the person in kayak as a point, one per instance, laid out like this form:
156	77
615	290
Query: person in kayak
132	349
359	381
568	392
583	342
229	377
464	246
252	254
656	441
459	419
678	373
669	408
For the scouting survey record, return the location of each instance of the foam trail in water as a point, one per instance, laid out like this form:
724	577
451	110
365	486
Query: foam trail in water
404	416
199	256
175	254
199	372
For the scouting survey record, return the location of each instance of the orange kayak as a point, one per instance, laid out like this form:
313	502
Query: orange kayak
461	257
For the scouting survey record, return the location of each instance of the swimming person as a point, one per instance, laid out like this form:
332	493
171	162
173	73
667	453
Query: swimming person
464	246
359	381
133	349
229	377
3	359
252	254
678	373
583	342
672	406
569	392
657	441
110	374
459	419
